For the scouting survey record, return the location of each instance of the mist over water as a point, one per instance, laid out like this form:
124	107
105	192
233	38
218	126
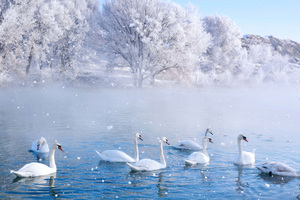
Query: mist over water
85	120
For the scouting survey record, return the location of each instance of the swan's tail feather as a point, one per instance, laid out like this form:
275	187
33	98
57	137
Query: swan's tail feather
132	167
99	154
19	174
189	162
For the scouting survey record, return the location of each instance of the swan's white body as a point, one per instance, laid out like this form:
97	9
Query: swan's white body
120	156
151	165
38	169
40	146
244	158
190	144
278	168
199	157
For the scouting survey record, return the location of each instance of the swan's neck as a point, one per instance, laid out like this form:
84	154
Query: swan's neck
239	141
51	159
204	146
162	157
136	150
45	145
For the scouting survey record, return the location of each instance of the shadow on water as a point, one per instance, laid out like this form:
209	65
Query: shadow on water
274	179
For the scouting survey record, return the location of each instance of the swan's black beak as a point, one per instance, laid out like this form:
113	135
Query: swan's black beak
244	138
167	142
59	147
38	147
140	137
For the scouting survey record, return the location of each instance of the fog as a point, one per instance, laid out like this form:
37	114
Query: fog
187	112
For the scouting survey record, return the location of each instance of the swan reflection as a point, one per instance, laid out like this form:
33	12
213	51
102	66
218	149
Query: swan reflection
41	156
140	179
39	180
240	185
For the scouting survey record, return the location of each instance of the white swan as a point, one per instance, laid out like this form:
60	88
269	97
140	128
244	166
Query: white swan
199	157
40	146
244	158
150	165
278	168
190	144
120	156
38	169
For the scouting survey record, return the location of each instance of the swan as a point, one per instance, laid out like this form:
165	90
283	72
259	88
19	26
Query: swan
38	169
199	157
278	168
40	146
150	165
244	158
120	156
190	144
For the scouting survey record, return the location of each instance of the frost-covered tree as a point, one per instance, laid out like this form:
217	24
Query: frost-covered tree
151	36
15	27
270	66
36	34
70	46
226	55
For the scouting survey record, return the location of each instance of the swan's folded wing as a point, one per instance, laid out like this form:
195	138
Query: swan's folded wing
115	156
146	165
33	169
281	167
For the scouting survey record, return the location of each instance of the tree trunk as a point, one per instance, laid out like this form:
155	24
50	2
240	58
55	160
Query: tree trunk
140	83
29	60
152	80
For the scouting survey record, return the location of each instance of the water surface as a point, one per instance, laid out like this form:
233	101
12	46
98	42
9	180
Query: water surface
85	120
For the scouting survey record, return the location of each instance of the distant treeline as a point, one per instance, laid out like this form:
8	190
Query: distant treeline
151	40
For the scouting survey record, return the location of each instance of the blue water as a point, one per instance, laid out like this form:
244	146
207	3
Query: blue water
85	120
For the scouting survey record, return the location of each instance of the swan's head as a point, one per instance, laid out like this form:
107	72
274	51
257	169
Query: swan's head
139	136
164	139
40	142
265	168
208	131
242	137
57	146
207	139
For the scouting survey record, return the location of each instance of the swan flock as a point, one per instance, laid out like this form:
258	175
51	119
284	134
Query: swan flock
35	169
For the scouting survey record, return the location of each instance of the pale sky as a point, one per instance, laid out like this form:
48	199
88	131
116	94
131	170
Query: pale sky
279	18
